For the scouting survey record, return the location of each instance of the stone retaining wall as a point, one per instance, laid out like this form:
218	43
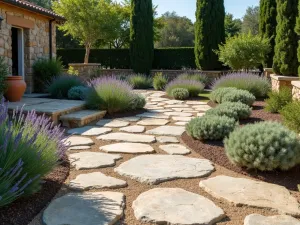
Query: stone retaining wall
296	90
282	81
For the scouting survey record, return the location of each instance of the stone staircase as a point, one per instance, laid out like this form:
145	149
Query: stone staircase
81	118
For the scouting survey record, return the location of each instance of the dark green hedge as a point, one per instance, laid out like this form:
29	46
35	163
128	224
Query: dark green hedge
165	58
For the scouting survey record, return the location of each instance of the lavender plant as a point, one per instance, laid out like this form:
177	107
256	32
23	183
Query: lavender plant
194	87
140	81
30	147
258	86
109	93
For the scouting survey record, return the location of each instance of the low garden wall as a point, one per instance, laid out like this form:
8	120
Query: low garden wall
282	81
296	90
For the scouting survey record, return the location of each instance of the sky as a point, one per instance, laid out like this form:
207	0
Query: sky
188	7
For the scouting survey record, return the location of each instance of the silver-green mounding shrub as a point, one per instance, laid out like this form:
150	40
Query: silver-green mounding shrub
211	127
217	95
236	110
265	146
239	96
180	93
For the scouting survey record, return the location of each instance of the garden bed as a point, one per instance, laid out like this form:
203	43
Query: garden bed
214	151
23	210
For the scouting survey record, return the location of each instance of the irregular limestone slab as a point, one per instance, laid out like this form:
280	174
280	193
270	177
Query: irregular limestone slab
182	123
78	141
182	119
93	160
131	148
173	102
159	110
158	99
167	139
177	106
157	94
102	122
125	137
175	206
117	124
155	169
181	114
89	131
95	180
153	108
133	129
195	103
104	208
167	130
256	219
175	149
130	118
153	115
241	191
74	148
153	122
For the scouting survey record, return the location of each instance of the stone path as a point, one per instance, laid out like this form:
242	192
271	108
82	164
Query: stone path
146	150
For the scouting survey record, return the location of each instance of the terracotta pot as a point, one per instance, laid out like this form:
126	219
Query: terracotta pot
16	87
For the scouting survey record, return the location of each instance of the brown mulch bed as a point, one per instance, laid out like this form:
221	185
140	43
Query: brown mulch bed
214	151
23	210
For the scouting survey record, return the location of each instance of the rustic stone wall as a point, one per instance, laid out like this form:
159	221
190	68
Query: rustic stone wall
296	90
279	82
36	38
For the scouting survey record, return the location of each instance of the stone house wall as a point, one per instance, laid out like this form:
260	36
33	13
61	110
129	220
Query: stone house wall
36	38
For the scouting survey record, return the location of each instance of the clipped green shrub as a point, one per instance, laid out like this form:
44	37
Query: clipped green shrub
60	86
290	115
180	93
265	146
194	87
210	127
77	93
258	86
137	102
159	81
44	70
218	94
140	81
110	94
197	77
3	75
236	110
278	99
239	96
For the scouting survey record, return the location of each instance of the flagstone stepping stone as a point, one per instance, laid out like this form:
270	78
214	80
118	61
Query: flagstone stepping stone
256	219
102	122
241	191
153	115
89	208
95	180
177	106
161	103
125	137
159	99
167	139
155	169
181	123
89	131
175	149
190	111
157	95
173	102
179	114
93	160
154	108
132	148
195	103
182	119
133	129
130	119
117	124
159	110
175	206
153	122
74	148
167	131
78	141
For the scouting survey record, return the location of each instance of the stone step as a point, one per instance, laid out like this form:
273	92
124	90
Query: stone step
81	118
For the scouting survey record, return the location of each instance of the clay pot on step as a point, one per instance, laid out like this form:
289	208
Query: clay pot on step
16	87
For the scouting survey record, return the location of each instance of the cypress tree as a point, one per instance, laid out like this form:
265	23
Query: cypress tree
209	33
285	59
141	36
297	29
267	27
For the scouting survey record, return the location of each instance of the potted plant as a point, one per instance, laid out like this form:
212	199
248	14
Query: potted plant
12	87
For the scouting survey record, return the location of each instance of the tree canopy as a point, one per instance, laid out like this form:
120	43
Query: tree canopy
88	21
251	20
177	31
232	26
